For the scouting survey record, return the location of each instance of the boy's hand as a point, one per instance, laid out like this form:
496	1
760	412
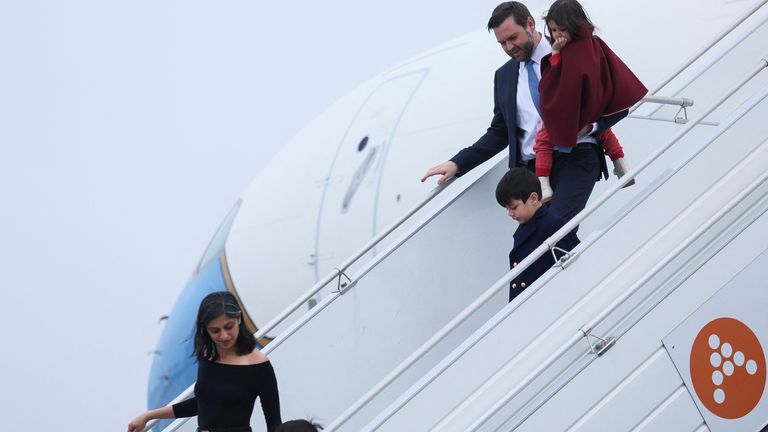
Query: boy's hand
558	45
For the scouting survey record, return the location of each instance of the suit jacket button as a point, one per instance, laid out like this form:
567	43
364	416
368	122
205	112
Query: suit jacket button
514	286
522	285
514	264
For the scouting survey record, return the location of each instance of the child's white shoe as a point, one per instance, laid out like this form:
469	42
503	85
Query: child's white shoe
546	190
620	168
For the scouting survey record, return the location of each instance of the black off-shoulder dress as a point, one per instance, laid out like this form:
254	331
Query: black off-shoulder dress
225	395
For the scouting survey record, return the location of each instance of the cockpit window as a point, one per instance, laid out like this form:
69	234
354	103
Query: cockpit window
216	245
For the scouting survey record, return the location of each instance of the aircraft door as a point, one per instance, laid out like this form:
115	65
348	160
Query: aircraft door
348	208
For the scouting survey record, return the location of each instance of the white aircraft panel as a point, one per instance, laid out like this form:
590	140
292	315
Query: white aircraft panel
677	413
272	240
605	374
358	339
591	268
719	352
631	400
271	248
350	197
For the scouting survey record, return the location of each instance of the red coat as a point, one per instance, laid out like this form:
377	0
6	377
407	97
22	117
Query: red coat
588	82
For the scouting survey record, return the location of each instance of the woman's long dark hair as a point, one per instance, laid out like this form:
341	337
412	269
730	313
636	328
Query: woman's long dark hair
213	306
570	15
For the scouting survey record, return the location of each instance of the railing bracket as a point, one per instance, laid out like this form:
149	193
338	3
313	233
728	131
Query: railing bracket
684	118
342	287
564	260
601	345
683	103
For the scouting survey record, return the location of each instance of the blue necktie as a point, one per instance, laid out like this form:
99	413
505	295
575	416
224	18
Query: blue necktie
533	85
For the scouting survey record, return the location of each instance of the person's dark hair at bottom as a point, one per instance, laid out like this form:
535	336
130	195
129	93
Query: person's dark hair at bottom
299	426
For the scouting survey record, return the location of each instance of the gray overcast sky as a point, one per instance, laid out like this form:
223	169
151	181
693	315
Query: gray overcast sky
127	130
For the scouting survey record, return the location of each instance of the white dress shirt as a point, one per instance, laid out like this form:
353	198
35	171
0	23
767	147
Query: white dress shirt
528	118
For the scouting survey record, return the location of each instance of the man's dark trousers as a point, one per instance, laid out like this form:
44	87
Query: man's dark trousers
573	177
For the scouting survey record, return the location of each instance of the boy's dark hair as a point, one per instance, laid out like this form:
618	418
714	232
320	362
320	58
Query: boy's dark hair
299	426
213	306
508	9
517	183
570	15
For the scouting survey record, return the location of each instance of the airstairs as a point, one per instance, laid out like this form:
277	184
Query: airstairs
583	348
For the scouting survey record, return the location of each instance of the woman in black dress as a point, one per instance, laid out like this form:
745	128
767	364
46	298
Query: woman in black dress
231	374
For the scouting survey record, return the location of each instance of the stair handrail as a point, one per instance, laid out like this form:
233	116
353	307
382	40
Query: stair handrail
717	38
337	272
708	65
616	303
353	280
533	256
754	208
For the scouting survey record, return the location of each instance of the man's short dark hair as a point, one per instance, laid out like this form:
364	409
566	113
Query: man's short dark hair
508	9
517	183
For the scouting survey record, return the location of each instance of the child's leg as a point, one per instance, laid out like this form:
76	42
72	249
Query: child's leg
614	150
544	148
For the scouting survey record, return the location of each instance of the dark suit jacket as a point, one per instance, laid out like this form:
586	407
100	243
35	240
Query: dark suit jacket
503	131
528	237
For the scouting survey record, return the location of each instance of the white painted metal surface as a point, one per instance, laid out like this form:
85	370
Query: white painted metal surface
608	394
719	351
279	245
549	313
280	234
585	329
465	415
275	250
483	389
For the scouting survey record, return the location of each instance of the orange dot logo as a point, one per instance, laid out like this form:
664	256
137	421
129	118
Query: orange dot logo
728	368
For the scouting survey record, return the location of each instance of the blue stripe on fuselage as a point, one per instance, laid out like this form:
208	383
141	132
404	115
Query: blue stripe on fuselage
174	369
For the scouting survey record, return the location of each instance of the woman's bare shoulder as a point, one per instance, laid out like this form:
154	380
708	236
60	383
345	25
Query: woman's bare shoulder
256	357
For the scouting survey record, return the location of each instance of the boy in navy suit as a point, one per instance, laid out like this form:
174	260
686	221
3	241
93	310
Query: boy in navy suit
519	191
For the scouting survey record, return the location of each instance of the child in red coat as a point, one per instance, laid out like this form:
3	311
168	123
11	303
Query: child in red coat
579	85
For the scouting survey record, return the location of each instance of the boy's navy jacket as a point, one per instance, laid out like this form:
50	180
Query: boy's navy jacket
528	237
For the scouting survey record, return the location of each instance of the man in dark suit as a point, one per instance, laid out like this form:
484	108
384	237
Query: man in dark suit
518	191
516	119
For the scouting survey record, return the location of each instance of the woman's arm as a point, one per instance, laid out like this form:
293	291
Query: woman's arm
270	399
139	423
186	408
